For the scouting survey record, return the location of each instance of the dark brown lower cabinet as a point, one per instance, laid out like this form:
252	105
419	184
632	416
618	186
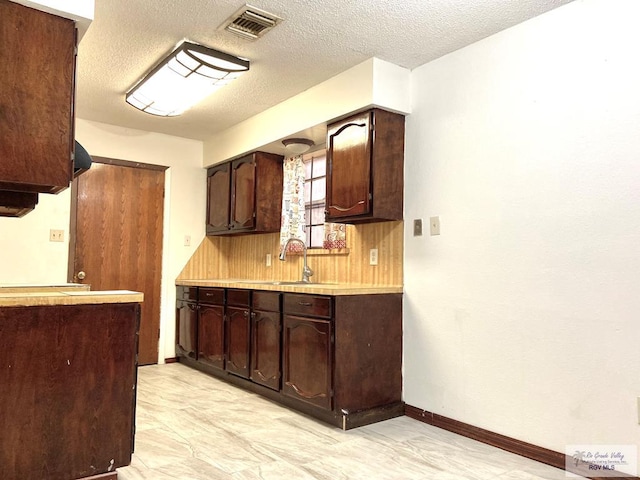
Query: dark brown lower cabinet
266	330
67	389
238	332
211	335
337	358
186	328
307	359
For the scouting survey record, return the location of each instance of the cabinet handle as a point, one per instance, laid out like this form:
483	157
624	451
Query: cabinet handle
305	304
343	209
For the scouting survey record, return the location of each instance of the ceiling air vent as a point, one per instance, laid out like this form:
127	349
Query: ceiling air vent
250	22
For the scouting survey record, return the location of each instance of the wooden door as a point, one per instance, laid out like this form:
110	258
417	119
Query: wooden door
349	162
243	194
211	335
307	360
116	237
218	198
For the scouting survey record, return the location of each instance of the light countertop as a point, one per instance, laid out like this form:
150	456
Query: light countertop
315	288
42	287
69	296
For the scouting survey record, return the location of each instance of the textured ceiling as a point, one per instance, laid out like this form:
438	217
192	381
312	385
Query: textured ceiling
316	40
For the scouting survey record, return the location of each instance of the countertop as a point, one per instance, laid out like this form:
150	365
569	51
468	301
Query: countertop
42	287
315	288
63	295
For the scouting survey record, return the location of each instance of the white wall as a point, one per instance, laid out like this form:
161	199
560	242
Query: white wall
27	256
522	317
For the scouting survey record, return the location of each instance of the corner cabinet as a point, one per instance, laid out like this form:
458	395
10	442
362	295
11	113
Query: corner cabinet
37	141
365	159
336	358
245	195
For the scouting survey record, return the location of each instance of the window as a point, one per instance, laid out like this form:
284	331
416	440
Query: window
315	188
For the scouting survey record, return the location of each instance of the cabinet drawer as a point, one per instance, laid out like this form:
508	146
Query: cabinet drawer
211	295
266	301
187	293
239	298
307	305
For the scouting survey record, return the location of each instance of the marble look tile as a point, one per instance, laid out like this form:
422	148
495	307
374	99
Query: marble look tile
192	426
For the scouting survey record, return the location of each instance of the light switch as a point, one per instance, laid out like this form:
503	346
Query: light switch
187	240
417	227
434	225
56	235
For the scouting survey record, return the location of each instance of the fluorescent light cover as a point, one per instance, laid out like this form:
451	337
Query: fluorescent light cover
189	74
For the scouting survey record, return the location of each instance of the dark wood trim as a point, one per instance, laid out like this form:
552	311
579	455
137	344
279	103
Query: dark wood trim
171	360
128	163
528	450
73	221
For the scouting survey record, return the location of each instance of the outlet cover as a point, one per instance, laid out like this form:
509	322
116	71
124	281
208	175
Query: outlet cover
268	259
373	256
56	235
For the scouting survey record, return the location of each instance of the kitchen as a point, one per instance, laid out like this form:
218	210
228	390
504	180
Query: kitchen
520	317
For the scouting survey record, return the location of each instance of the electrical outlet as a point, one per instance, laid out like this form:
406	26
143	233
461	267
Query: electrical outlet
434	225
373	256
417	227
268	259
187	240
56	235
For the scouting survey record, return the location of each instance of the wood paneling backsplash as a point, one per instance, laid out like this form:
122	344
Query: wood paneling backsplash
243	257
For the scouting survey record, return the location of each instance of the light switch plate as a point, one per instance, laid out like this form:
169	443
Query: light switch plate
434	225
417	227
187	240
56	235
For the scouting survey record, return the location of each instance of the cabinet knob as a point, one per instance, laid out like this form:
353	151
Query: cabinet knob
81	275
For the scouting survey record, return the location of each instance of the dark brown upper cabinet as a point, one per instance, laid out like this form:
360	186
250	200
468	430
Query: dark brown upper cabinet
245	195
365	157
36	105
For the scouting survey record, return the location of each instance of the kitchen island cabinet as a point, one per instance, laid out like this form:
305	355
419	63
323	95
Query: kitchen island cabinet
341	355
67	402
365	159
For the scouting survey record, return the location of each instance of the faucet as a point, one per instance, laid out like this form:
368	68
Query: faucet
306	271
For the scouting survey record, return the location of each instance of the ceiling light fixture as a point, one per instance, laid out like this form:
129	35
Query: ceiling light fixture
189	74
297	146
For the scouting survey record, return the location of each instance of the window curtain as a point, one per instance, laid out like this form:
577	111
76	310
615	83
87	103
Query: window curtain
292	225
335	236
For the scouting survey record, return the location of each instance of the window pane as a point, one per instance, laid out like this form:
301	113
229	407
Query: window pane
319	166
317	215
307	169
307	192
319	189
317	236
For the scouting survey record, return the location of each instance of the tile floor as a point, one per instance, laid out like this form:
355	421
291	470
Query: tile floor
191	426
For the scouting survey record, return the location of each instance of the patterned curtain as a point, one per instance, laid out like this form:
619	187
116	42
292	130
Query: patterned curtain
335	236
292	225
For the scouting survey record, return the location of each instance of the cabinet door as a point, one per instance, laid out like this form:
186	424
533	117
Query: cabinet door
186	329
36	105
243	193
238	324
307	360
265	349
218	185
349	167
211	335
